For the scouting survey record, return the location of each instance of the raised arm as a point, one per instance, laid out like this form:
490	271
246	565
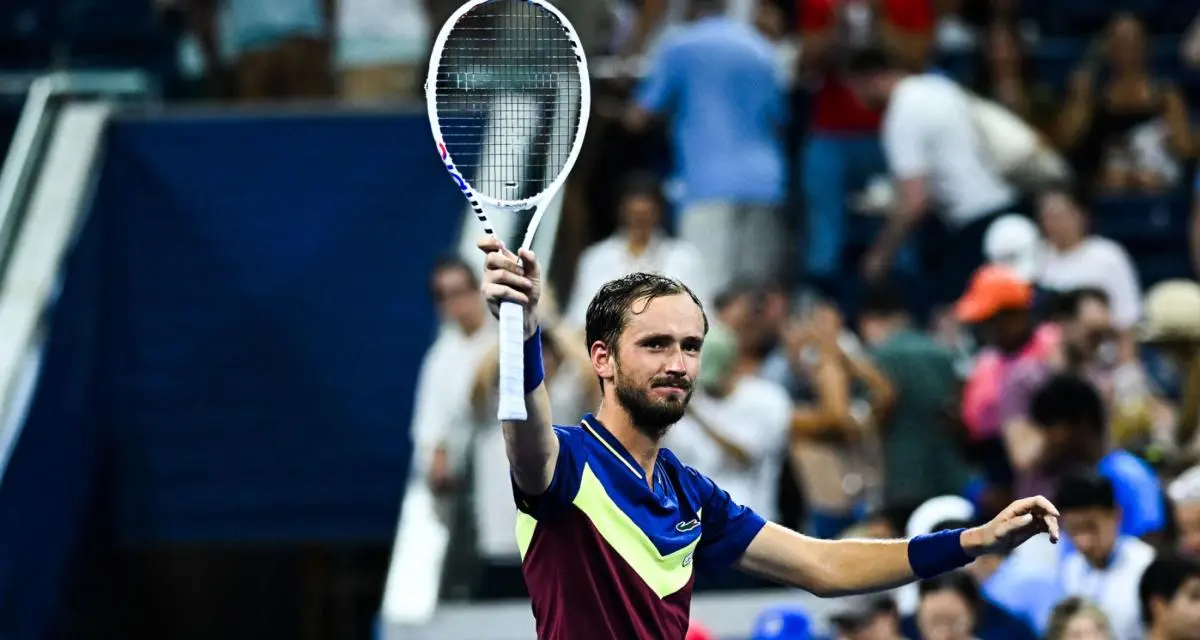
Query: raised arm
832	568
531	444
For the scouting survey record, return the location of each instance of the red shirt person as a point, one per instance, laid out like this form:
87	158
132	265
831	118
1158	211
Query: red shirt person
843	151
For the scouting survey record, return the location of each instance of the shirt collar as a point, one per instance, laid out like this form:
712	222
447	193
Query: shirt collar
593	426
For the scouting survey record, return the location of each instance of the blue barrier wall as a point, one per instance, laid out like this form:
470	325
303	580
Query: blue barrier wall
235	351
51	484
266	286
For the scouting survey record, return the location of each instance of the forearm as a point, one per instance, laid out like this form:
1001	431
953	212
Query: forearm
531	444
832	412
831	568
880	393
835	568
1073	121
899	225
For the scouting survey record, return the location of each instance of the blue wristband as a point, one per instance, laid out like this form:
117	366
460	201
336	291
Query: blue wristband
535	371
936	553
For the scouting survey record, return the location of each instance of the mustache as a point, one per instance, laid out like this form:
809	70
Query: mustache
675	383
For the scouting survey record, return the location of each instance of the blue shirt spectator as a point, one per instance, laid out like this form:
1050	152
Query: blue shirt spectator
716	78
1137	493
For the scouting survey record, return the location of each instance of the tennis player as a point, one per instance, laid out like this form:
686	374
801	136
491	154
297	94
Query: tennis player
611	526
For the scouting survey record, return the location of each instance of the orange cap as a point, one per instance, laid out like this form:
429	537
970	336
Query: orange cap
993	289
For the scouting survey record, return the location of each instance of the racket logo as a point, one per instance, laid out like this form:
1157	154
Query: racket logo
458	179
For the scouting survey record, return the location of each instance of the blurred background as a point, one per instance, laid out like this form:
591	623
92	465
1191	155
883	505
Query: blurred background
246	376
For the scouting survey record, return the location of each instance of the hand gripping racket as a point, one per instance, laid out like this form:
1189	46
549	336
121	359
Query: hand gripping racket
508	98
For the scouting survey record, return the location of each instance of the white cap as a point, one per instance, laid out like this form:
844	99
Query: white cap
1185	490
937	510
1172	312
1014	242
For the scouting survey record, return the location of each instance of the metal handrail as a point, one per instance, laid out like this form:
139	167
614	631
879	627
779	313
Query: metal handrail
21	162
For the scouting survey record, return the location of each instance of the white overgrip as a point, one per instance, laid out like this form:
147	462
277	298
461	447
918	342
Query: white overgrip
512	362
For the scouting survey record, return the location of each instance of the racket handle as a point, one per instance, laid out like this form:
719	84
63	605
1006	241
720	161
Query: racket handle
512	362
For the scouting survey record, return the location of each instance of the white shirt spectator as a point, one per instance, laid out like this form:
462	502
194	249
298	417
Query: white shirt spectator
755	416
1113	589
442	403
928	131
610	259
1097	263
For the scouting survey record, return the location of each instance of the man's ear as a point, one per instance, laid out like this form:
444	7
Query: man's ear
603	360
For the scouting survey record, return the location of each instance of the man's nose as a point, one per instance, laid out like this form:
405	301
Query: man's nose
677	364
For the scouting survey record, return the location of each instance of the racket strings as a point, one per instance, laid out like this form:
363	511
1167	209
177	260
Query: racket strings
508	98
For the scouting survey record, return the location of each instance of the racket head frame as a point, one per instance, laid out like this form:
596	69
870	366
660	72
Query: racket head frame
479	201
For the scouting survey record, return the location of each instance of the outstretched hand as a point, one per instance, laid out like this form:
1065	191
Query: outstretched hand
1019	522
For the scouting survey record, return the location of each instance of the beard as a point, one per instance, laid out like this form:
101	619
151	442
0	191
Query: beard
651	416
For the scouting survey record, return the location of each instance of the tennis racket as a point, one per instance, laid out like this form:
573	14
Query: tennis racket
508	99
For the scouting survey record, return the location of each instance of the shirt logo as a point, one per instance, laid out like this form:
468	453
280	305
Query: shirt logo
684	527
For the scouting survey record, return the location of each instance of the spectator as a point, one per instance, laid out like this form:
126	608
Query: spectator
843	152
870	618
935	155
951	608
1132	131
736	426
919	429
282	47
1006	77
1103	565
756	313
1071	426
1090	349
1017	357
1173	327
832	451
1184	493
1169	593
1078	619
639	244
440	409
382	47
716	80
1076	260
1014	242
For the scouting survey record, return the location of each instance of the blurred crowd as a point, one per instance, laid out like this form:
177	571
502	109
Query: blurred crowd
948	248
950	259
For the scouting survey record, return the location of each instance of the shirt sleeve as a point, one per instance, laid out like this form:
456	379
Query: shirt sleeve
568	471
1124	289
727	528
1137	493
661	84
904	137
